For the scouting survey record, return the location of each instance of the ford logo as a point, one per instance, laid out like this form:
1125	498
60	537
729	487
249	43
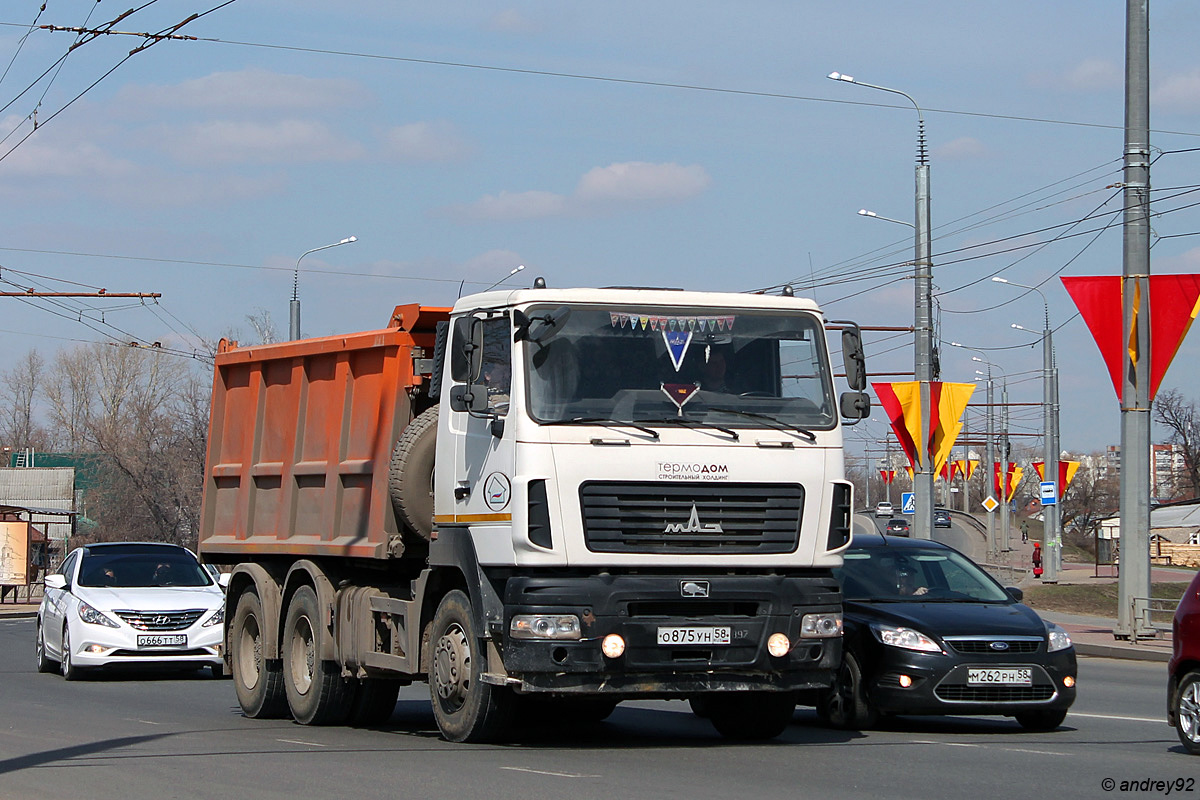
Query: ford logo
693	588
999	645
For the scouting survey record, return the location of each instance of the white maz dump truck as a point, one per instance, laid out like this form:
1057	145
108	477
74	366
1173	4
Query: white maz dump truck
540	501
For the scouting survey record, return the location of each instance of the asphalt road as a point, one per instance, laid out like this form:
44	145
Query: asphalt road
170	736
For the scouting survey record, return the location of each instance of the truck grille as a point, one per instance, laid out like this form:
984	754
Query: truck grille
707	518
161	620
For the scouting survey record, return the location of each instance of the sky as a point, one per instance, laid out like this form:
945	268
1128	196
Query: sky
692	144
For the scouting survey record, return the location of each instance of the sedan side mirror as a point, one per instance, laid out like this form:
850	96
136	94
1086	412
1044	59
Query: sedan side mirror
56	581
1015	593
223	580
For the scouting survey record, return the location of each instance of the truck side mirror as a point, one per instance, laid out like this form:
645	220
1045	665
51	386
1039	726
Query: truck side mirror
471	398
855	360
466	353
855	406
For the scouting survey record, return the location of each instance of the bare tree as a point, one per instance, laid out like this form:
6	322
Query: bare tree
21	390
1181	420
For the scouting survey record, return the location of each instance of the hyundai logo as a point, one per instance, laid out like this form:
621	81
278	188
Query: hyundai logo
693	588
162	620
999	645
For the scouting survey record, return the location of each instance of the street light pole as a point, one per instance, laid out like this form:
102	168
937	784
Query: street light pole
294	307
990	477
923	348
1051	518
989	444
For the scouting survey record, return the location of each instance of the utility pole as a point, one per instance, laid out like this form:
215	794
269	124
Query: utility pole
1134	579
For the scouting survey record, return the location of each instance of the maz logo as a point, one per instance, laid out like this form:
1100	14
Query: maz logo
693	525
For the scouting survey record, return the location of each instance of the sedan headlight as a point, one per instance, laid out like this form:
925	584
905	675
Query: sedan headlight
906	638
1059	640
217	618
94	617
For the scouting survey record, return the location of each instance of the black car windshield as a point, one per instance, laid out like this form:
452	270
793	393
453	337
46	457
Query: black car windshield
909	574
142	568
736	368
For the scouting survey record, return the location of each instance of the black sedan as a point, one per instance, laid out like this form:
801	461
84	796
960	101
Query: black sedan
929	632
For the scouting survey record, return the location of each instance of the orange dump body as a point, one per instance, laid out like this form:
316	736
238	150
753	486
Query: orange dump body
301	437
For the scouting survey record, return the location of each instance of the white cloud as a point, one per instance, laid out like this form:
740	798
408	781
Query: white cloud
600	190
1179	92
226	142
1089	75
250	89
426	141
962	149
53	159
636	181
512	21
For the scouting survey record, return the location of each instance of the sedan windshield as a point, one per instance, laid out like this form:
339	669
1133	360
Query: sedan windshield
736	369
913	574
148	567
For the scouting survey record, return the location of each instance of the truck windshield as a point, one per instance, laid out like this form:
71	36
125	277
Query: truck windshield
736	369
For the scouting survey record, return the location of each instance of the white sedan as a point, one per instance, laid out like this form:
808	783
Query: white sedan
130	603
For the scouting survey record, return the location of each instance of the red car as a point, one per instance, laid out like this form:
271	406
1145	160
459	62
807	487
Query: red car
1183	679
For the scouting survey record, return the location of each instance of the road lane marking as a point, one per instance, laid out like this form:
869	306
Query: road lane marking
992	747
545	772
297	741
1160	720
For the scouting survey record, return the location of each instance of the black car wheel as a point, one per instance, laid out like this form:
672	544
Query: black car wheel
1047	720
1187	712
845	706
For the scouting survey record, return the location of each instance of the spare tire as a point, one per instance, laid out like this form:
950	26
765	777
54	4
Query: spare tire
410	479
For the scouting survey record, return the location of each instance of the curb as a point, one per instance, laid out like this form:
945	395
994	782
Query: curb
17	615
1116	651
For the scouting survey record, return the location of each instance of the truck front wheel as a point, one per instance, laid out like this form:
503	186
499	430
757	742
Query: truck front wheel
316	692
257	681
466	708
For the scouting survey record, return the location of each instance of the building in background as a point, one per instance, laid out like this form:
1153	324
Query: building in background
50	488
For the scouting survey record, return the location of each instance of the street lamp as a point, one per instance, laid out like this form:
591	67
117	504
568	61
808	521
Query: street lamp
923	346
999	543
862	212
294	322
1052	519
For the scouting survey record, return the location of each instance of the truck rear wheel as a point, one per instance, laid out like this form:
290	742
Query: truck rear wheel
257	681
410	479
466	708
316	692
751	715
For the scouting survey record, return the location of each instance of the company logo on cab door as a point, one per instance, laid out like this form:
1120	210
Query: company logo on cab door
687	471
496	491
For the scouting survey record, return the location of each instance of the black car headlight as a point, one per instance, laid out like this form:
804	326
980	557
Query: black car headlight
1059	639
904	638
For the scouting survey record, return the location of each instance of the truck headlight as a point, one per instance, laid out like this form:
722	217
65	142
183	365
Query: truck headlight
826	625
545	626
94	617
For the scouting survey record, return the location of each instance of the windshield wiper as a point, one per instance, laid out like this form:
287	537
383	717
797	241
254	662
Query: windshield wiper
812	437
605	421
694	423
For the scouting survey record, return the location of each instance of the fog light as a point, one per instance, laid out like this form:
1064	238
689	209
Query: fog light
93	649
613	646
1068	681
905	681
779	645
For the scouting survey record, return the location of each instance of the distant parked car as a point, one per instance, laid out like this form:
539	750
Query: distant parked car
898	526
883	510
941	518
118	604
929	632
1183	671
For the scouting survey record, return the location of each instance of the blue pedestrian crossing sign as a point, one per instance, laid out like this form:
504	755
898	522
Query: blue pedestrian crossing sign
908	502
1049	493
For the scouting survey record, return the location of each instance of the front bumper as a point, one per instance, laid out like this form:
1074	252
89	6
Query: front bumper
939	684
101	646
635	606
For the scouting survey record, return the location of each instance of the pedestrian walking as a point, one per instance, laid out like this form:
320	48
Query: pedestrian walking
1024	530
1037	559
